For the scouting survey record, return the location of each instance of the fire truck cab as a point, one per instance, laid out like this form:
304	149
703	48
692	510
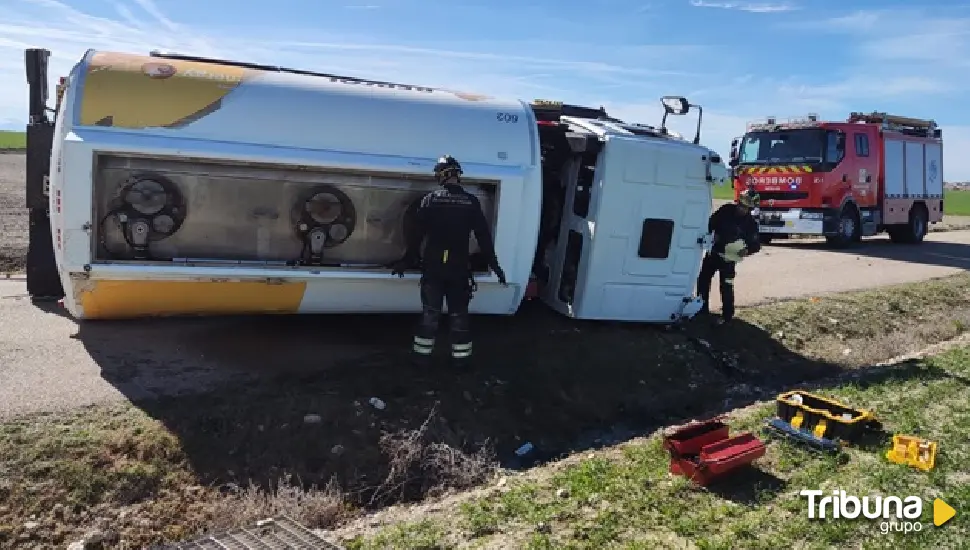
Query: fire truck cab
843	180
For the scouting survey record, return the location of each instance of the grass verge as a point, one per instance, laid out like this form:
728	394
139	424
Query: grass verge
723	192
625	498
956	203
314	447
12	141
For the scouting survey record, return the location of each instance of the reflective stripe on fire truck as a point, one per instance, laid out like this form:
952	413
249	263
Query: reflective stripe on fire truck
788	169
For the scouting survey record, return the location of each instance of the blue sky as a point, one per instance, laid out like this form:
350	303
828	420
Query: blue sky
739	60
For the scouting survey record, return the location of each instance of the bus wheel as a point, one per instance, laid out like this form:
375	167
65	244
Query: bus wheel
765	238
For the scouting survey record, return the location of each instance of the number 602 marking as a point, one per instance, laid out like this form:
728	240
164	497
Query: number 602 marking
510	118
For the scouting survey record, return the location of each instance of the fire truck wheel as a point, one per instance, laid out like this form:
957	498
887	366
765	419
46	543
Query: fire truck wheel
915	230
850	231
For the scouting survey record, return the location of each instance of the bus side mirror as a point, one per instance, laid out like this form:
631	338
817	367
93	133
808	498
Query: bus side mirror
675	105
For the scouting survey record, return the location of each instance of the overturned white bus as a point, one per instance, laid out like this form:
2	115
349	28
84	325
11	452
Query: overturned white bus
173	185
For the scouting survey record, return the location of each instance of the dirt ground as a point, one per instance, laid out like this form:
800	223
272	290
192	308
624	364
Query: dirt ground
328	444
13	215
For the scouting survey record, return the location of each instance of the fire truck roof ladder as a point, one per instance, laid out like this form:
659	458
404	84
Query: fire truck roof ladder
901	124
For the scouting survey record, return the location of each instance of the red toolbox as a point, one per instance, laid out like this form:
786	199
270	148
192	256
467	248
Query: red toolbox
705	451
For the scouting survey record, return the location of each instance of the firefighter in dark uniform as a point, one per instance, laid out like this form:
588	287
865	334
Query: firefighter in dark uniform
447	216
735	236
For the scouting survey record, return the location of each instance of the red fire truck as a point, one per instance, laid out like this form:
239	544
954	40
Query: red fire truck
843	180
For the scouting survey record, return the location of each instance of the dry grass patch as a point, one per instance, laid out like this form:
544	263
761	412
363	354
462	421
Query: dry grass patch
859	328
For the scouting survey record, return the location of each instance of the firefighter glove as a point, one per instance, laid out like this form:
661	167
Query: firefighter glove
399	267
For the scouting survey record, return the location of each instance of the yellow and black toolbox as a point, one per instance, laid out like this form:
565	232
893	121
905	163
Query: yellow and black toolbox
819	421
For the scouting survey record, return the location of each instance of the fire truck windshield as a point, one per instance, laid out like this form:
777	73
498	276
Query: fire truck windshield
785	146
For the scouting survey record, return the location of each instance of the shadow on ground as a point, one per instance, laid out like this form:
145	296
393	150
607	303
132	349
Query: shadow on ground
539	378
749	486
946	254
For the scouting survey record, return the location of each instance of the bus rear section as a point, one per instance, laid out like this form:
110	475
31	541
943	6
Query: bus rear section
249	189
184	185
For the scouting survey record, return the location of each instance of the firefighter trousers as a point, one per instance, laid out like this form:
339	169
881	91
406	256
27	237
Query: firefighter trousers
435	291
714	263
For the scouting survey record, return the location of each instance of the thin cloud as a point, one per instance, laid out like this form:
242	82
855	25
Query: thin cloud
584	66
750	7
141	26
626	78
158	16
922	44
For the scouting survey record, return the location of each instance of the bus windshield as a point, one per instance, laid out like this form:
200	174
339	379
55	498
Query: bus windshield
786	146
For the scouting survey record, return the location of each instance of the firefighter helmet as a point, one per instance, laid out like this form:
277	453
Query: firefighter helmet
749	198
447	167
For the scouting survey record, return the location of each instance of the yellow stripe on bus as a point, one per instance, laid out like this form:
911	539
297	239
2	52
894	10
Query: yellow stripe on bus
131	299
133	91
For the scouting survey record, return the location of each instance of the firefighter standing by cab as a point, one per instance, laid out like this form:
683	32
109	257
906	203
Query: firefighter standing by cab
446	216
735	236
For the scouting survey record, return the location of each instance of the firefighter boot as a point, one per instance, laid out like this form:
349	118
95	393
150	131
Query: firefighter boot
424	336
704	279
727	298
461	342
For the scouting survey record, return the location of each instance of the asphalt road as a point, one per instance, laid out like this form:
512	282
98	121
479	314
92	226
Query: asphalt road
803	268
47	363
50	362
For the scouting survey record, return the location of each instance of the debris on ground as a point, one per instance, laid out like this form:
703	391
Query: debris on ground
279	533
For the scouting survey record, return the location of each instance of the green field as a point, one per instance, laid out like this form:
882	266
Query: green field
956	203
12	140
723	192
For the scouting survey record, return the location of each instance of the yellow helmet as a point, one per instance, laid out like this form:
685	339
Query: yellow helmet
749	198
